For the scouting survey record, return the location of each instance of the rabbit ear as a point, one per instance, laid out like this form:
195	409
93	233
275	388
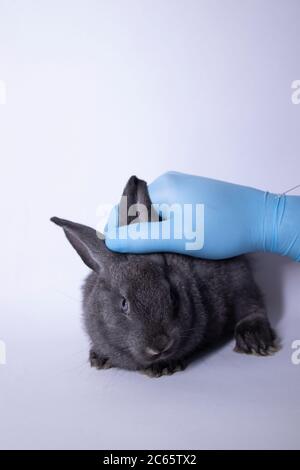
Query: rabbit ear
135	205
86	242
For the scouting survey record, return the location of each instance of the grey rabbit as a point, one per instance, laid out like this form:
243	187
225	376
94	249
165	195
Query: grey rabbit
152	312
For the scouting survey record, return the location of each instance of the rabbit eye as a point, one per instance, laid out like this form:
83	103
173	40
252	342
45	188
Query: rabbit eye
124	305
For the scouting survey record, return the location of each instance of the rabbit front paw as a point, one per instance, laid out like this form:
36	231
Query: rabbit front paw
99	362
157	370
254	335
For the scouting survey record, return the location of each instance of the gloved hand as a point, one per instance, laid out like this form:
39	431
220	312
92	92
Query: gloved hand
237	220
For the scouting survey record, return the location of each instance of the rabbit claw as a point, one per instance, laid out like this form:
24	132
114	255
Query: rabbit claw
99	362
255	336
158	370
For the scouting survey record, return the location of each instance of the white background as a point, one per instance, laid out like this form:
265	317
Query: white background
100	90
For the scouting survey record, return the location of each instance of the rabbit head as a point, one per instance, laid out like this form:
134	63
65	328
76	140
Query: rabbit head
130	306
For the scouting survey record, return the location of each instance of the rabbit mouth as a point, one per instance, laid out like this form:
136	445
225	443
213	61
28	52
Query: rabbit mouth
145	358
148	361
153	355
162	356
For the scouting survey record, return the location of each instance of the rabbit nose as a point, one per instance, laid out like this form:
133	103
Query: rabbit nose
162	343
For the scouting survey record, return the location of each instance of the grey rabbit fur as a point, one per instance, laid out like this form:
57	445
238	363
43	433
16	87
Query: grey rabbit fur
152	312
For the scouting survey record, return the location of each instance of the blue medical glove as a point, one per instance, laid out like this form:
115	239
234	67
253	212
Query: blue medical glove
237	220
